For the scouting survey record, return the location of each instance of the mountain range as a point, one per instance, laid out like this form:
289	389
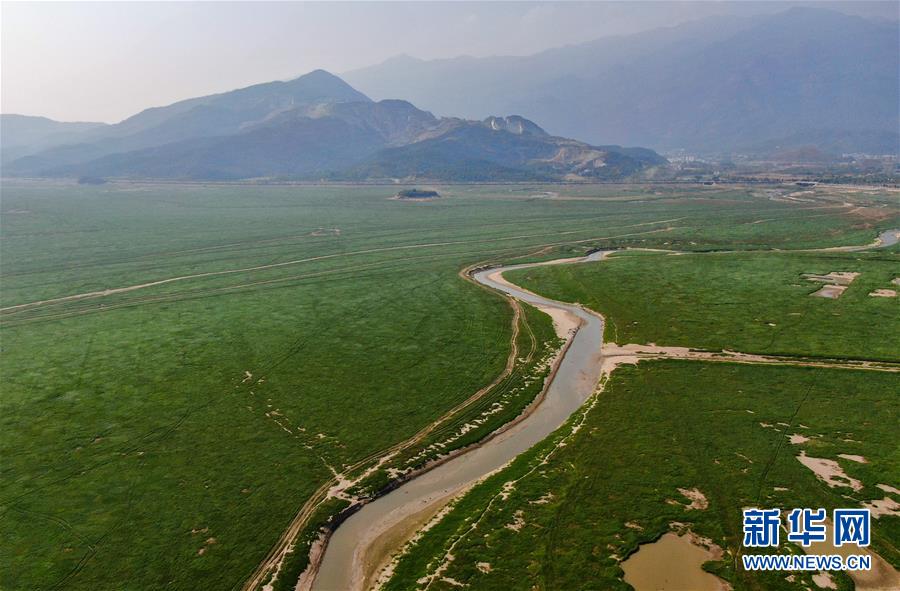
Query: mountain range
313	127
805	80
719	85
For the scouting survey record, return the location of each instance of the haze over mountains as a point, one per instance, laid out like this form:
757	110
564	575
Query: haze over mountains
718	85
23	134
315	127
801	81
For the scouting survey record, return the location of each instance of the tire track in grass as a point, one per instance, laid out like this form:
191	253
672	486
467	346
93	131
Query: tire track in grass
155	283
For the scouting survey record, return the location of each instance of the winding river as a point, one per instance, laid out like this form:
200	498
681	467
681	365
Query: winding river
362	543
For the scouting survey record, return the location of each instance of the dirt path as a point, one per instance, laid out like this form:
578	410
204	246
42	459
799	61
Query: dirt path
616	355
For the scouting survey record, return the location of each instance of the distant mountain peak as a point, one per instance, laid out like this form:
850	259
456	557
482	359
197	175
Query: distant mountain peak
402	58
320	84
320	76
320	73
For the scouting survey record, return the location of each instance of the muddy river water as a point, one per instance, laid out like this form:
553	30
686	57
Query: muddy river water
360	545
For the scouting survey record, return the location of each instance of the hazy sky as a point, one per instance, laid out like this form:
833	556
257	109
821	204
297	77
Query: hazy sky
106	61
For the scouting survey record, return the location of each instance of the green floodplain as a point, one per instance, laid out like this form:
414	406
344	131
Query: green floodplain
230	348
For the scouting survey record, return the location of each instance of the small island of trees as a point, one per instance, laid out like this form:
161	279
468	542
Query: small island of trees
417	194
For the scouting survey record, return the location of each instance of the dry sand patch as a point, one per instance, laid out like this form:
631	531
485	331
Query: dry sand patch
829	291
835	277
544	499
564	322
883	293
697	498
518	521
885	506
836	282
829	472
823	580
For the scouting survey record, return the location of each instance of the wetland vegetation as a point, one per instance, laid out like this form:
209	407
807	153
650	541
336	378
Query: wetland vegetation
185	366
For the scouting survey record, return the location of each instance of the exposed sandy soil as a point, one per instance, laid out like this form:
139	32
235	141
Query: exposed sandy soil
885	506
829	472
829	291
888	488
697	498
615	355
797	439
564	322
543	500
836	282
315	556
835	277
518	521
673	563
823	580
392	532
854	458
883	293
387	571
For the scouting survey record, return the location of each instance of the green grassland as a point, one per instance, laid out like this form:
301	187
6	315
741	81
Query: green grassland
537	345
655	428
750	302
163	437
